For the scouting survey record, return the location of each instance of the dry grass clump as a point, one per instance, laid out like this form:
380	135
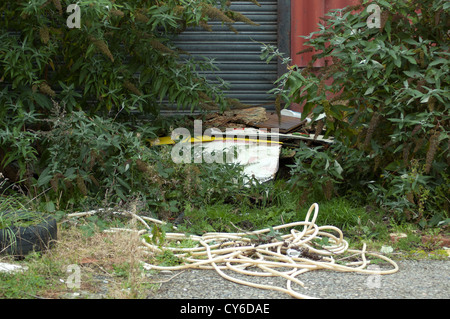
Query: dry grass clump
113	256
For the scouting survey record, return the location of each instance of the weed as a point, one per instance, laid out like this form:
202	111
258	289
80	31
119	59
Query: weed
167	258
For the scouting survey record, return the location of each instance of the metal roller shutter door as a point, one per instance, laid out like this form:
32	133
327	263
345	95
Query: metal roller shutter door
238	55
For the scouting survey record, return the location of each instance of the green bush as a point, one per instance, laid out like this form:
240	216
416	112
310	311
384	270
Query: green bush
69	97
90	156
122	56
385	95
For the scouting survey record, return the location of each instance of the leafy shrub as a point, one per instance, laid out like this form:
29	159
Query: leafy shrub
122	57
97	161
180	187
315	171
68	96
86	155
385	94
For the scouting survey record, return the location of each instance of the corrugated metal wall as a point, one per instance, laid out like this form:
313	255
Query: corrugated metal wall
305	16
238	55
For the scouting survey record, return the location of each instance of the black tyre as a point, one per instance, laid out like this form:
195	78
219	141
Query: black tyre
19	241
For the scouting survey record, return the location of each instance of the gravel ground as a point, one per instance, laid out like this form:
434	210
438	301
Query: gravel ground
425	279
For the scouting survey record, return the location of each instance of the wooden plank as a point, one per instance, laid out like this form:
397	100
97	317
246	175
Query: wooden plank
287	124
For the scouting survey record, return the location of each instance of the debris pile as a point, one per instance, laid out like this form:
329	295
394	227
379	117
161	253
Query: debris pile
255	134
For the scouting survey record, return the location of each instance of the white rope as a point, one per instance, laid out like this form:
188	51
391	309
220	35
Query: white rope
285	256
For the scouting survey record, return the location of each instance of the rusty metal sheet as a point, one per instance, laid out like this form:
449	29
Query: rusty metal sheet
305	16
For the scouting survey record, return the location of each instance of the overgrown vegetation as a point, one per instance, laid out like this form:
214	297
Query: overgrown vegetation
70	97
70	139
385	95
109	261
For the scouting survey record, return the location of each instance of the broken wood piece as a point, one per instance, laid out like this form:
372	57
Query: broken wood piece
286	125
237	118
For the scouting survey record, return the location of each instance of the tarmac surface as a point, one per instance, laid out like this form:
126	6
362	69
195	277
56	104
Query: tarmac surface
423	279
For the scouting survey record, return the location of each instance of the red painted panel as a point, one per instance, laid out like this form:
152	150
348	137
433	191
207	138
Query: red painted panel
305	16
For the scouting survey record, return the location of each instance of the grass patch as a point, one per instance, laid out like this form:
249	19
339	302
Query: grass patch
110	265
109	262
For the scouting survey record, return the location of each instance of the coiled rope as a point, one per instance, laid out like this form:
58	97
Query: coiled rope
285	256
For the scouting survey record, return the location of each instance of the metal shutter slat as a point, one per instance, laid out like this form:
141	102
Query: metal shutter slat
238	55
